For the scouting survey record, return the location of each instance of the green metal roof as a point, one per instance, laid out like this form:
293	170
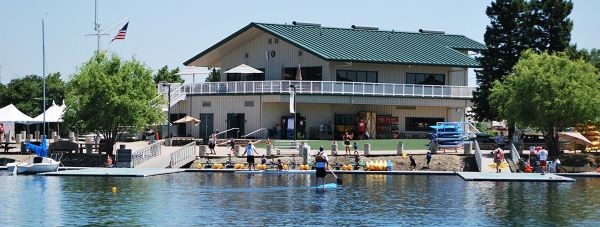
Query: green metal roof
371	46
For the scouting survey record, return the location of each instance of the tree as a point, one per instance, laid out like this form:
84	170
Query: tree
26	93
592	56
3	95
503	39
109	96
171	76
214	76
560	93
541	25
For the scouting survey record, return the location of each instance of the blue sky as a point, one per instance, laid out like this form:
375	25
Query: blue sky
170	32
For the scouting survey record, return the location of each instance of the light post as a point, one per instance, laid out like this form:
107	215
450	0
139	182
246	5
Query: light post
294	94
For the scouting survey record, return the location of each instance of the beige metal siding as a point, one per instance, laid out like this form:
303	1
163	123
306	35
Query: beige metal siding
286	55
317	109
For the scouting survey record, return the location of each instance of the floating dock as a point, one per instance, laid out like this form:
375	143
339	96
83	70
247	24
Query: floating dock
114	172
484	176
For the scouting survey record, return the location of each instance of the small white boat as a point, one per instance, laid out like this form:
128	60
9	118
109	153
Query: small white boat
36	164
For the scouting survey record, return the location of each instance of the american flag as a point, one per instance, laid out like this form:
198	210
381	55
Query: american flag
121	34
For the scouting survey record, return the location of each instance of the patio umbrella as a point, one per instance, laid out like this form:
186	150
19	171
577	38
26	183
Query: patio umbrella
575	137
243	69
188	119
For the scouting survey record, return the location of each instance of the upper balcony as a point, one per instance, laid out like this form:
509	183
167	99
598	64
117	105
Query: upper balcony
325	88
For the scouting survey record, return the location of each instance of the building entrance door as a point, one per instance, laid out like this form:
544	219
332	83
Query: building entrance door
206	126
235	120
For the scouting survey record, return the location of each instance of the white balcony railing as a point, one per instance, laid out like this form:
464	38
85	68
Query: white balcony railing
329	88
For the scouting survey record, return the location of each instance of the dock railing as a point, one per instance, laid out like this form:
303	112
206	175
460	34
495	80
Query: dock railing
330	87
477	155
263	130
183	154
146	153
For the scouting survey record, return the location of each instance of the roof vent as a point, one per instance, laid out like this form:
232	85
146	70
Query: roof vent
305	24
365	28
431	32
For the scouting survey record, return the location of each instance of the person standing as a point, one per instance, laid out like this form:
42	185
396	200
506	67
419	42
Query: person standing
362	128
543	155
250	151
428	158
347	139
498	158
321	163
500	140
212	142
413	163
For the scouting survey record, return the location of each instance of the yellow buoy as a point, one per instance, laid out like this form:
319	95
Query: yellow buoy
114	189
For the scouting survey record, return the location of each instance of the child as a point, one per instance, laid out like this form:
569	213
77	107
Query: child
263	160
413	164
279	165
355	147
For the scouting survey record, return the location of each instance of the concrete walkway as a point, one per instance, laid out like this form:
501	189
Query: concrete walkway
488	165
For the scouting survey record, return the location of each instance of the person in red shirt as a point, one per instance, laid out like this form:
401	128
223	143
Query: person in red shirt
362	128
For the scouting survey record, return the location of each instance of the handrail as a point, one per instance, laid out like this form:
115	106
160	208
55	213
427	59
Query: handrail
253	132
231	129
329	87
146	153
478	155
514	154
182	154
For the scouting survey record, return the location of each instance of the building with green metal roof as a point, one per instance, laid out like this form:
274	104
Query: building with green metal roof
397	82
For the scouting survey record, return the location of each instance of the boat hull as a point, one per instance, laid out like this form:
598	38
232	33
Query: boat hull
48	165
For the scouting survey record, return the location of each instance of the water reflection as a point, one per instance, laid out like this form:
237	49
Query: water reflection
244	199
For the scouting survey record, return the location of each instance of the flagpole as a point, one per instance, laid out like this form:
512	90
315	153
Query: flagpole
43	79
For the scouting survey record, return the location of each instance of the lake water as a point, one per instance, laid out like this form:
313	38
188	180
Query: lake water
243	200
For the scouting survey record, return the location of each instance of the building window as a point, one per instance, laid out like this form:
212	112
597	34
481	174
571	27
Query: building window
246	77
276	41
246	55
206	104
249	103
299	53
270	41
308	73
357	76
425	78
421	123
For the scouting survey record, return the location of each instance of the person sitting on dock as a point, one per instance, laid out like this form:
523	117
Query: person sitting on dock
263	160
109	162
498	158
249	152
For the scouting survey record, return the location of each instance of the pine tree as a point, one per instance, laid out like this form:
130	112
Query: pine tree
214	76
503	39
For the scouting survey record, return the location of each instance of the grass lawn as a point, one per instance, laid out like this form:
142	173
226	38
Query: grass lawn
380	144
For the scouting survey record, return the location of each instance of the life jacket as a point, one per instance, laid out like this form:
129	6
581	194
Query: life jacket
320	161
498	155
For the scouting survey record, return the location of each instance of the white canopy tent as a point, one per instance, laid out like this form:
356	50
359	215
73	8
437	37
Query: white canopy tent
10	113
243	69
54	113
